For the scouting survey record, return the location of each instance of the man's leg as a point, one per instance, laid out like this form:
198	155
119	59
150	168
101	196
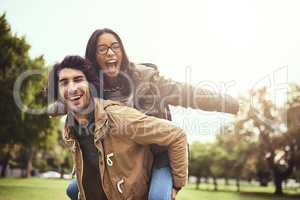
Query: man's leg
72	190
161	184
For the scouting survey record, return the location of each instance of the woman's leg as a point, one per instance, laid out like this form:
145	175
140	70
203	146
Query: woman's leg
161	184
72	190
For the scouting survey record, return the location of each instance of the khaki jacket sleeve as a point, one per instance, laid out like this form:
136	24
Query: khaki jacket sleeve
179	94
146	130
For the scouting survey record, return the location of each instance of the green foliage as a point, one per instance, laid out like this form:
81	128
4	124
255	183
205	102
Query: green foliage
293	121
257	145
17	125
200	159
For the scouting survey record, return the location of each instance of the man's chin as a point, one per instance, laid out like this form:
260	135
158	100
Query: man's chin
75	108
80	109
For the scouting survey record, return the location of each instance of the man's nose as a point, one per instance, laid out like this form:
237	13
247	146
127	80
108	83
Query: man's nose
72	87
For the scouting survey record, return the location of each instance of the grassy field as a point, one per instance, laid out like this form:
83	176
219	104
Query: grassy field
42	189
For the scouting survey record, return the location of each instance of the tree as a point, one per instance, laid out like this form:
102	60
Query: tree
17	126
293	121
264	119
238	151
200	160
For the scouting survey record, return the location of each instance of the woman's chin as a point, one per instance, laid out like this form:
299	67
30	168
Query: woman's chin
112	75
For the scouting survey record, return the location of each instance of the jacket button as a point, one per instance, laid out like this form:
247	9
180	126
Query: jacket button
108	159
119	185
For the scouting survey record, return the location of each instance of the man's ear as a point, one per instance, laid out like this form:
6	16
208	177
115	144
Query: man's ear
56	109
52	87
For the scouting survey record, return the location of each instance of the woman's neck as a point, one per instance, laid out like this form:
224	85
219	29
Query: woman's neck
112	82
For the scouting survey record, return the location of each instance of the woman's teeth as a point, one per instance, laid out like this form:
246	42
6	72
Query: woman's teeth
111	63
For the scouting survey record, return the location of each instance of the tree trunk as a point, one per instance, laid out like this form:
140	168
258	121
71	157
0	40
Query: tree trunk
206	180
198	181
263	179
215	183
29	163
5	164
226	180
249	180
278	184
238	184
62	172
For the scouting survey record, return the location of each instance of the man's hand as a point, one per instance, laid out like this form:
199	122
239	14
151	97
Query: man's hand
174	193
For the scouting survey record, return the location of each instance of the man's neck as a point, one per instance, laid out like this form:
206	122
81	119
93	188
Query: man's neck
83	117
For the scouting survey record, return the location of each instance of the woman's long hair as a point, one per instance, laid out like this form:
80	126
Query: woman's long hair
90	55
90	52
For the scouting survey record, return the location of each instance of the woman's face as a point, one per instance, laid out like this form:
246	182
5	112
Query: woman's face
109	55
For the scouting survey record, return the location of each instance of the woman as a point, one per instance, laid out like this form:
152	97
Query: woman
141	86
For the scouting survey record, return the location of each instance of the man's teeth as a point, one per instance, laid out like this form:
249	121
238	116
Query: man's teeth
75	98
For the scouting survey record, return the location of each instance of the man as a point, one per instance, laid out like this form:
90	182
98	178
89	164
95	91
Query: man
110	143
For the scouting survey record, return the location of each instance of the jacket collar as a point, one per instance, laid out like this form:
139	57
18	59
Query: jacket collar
100	118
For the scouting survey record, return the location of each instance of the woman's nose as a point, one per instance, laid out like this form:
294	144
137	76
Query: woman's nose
110	52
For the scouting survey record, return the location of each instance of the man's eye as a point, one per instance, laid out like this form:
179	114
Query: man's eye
63	83
78	80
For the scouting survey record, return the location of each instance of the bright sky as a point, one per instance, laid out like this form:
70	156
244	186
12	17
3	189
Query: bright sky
245	41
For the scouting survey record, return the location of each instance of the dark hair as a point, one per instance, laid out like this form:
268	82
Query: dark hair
90	55
90	52
72	62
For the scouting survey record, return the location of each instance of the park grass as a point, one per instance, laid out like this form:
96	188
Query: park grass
248	192
32	189
49	189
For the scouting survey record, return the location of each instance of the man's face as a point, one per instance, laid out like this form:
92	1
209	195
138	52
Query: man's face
74	89
109	55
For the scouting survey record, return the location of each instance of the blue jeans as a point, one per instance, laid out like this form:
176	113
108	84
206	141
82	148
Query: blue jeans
160	187
161	184
72	190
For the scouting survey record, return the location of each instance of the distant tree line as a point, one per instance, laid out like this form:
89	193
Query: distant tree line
263	143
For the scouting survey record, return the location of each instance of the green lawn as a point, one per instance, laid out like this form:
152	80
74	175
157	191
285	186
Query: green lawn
42	189
248	192
32	189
